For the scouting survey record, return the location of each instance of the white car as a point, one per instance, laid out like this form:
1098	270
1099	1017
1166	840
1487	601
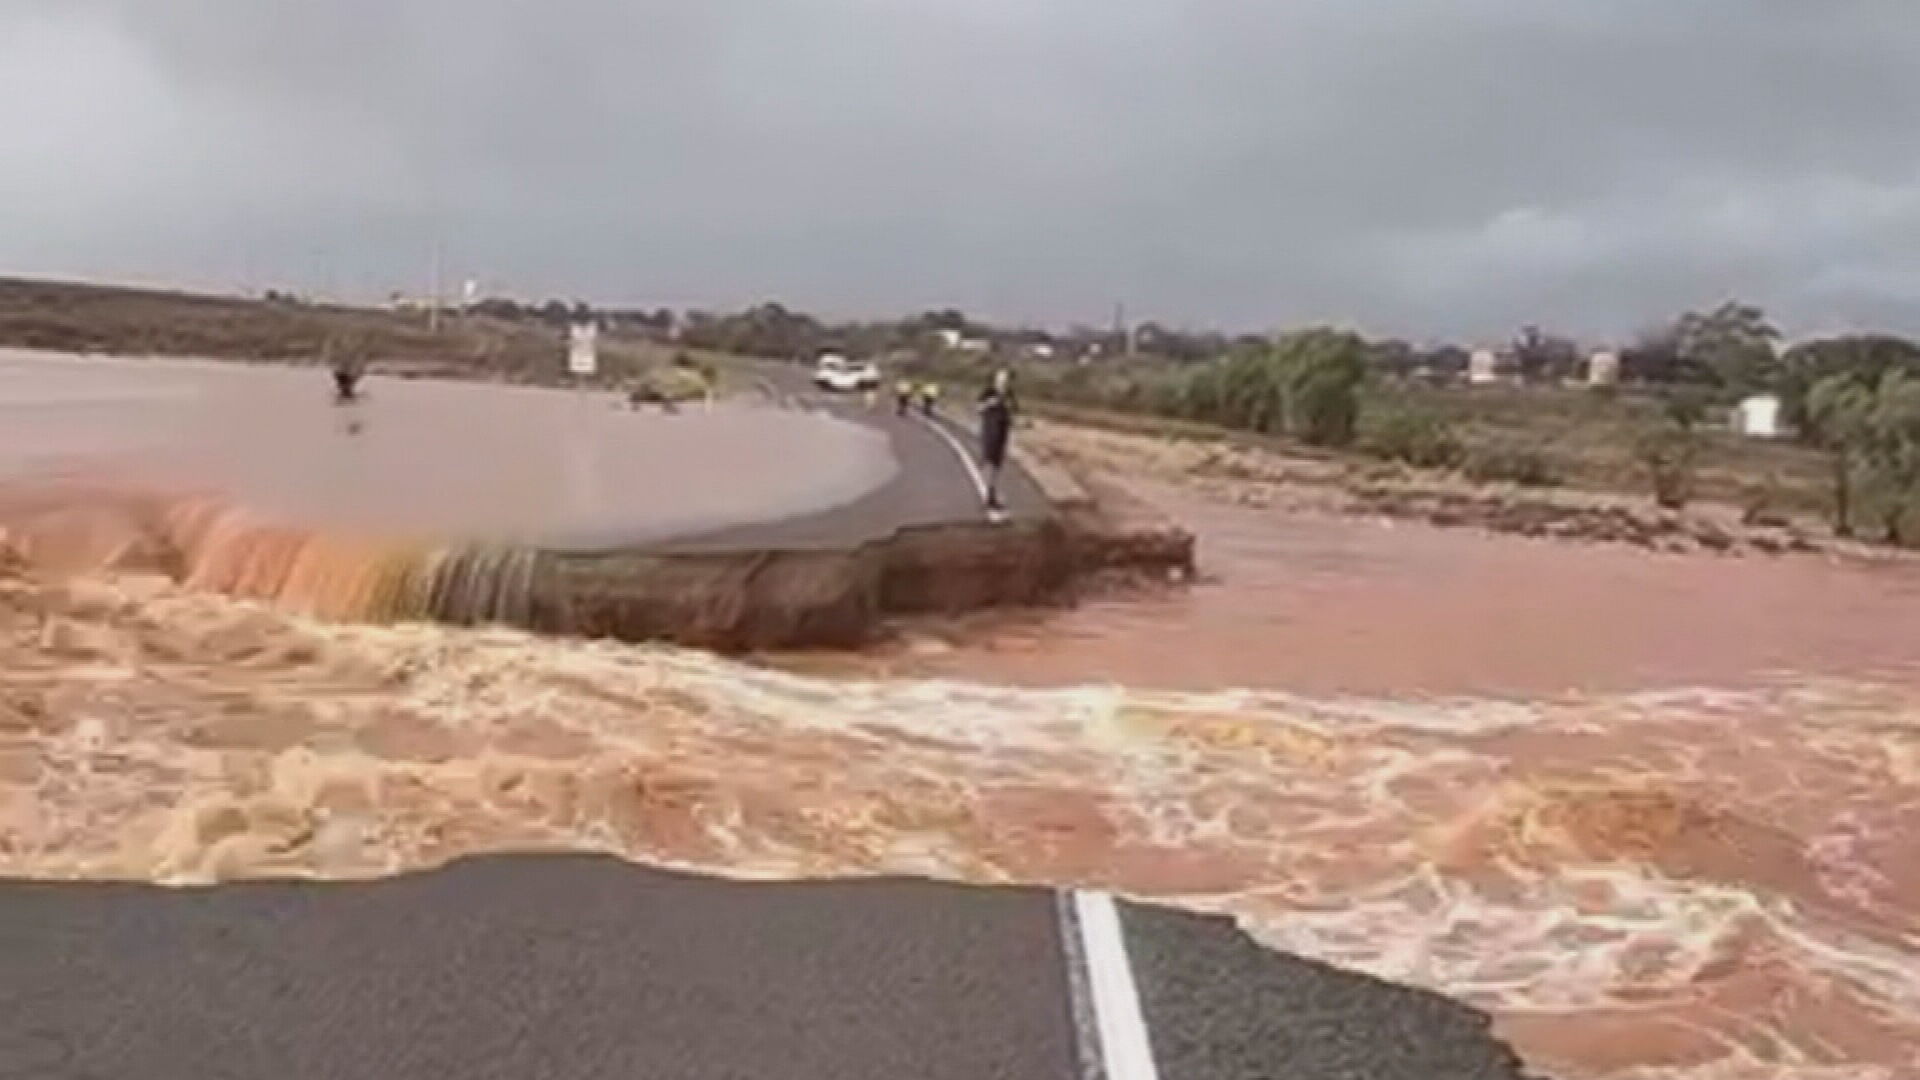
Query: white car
837	374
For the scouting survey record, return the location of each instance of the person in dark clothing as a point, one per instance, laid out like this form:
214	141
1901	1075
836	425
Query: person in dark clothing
347	373
346	384
998	405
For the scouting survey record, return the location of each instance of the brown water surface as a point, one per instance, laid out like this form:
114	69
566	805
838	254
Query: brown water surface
426	459
1327	604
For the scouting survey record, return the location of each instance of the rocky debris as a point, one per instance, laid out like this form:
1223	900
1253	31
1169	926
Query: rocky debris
1561	518
1116	531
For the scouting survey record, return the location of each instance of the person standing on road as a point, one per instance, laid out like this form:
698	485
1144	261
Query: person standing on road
348	367
997	408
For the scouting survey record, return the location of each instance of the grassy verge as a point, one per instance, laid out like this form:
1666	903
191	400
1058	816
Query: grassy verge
1589	439
1570	437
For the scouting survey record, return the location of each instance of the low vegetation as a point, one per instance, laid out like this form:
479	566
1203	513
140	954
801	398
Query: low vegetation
1510	462
1870	429
144	322
1415	437
683	379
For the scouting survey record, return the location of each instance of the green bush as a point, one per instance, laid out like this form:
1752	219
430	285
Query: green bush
1762	501
1416	438
669	385
1323	371
1306	385
1510	463
1671	453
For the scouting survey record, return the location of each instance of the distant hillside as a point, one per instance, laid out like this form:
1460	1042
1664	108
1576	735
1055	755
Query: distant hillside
72	317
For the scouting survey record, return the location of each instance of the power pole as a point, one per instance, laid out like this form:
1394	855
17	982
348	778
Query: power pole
433	290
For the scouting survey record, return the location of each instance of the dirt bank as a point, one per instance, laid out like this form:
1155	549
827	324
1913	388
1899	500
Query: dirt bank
732	601
1272	478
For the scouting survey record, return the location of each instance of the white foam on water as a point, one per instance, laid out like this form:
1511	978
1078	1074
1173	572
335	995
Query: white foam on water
1665	858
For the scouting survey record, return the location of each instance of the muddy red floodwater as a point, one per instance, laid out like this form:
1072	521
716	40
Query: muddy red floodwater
1657	814
430	460
1339	605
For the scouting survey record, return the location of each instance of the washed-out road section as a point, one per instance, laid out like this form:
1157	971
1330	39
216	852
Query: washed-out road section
566	967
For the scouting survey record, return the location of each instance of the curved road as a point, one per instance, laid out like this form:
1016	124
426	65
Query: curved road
937	480
572	968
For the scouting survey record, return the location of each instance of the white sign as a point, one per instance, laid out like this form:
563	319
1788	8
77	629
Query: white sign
583	357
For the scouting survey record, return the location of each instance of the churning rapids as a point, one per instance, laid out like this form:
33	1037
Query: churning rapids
1638	877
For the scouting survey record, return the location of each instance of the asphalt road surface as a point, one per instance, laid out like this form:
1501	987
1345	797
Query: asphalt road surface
935	482
533	968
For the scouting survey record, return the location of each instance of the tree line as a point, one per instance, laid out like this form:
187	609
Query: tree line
1855	397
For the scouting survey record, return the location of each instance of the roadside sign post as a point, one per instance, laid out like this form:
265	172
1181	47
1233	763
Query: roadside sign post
583	353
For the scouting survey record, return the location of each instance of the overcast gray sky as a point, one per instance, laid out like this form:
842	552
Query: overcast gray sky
1422	167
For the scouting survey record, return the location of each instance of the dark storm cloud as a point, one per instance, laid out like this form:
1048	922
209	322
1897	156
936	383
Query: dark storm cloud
1419	166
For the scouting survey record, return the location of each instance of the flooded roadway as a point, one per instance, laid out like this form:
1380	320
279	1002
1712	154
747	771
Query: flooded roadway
1656	813
425	460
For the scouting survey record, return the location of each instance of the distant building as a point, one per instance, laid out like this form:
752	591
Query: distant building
1040	350
1483	367
1758	417
949	338
974	345
1603	368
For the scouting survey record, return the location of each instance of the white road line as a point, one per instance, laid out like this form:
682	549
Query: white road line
1125	1049
966	458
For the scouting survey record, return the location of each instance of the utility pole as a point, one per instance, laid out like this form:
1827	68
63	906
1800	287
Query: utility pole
433	289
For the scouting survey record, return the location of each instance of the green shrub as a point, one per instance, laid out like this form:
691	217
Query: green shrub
1306	385
1670	453
1323	371
669	385
1510	463
1416	438
1763	501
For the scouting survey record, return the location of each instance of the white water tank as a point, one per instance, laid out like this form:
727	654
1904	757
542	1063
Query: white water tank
1603	368
1758	417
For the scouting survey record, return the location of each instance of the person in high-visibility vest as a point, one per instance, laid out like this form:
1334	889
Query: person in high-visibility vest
903	396
929	397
